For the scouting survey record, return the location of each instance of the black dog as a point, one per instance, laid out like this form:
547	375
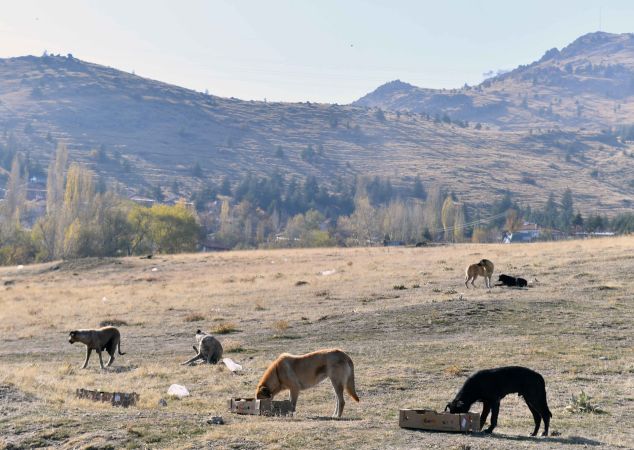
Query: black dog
492	385
507	280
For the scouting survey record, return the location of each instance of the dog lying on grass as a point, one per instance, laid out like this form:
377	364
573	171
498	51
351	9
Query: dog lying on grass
492	385
297	373
106	338
507	280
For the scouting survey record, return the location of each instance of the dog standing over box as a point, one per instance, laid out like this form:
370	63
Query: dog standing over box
492	385
299	372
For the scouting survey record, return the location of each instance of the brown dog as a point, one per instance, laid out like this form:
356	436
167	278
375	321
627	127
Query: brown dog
106	338
484	269
297	373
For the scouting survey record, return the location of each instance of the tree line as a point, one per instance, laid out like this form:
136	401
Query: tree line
83	219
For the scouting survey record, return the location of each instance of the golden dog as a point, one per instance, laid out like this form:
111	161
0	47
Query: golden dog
299	372
484	269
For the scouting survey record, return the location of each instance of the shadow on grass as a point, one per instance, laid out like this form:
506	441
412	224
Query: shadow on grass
334	419
576	440
120	369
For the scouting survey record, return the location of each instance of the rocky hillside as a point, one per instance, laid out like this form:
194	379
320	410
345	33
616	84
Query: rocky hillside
587	85
141	133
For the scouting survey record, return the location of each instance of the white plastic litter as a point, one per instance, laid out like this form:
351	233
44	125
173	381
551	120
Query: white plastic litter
178	391
232	366
328	272
154	269
20	267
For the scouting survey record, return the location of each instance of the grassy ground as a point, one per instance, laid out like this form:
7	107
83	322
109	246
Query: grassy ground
412	347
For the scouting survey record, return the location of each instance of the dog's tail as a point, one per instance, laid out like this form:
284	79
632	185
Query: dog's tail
119	347
350	389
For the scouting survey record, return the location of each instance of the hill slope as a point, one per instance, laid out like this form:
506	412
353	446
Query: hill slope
588	84
154	133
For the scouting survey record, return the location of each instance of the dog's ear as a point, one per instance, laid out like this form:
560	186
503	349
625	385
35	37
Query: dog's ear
447	407
198	331
72	333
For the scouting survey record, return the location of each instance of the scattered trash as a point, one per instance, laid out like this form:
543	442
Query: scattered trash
301	283
20	267
177	390
603	358
115	398
231	365
216	420
162	402
154	269
328	272
104	299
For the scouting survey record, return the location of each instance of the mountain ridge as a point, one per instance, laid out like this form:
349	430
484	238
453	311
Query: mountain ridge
153	133
587	84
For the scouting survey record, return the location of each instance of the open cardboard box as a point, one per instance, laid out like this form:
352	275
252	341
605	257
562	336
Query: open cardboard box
124	399
426	419
263	407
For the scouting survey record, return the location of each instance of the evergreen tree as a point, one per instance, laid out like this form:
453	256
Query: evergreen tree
551	213
566	215
418	191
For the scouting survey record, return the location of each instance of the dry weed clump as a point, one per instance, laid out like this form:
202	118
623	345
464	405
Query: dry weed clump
113	323
281	325
454	371
194	317
259	306
225	328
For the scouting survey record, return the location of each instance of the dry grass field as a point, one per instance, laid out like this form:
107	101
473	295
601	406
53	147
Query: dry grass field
412	347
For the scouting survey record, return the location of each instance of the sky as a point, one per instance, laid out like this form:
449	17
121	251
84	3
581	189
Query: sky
300	50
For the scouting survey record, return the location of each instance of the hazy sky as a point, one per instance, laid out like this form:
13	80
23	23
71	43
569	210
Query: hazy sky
297	50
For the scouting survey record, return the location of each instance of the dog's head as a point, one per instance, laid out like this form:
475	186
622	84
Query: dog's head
72	337
263	392
456	406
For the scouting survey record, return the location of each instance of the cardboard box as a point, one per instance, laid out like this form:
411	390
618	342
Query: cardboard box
425	419
114	398
264	407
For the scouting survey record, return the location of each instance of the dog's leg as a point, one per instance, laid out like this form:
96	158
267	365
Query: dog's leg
486	407
546	418
100	359
338	387
111	360
294	397
88	352
495	410
466	282
475	277
536	417
190	361
541	405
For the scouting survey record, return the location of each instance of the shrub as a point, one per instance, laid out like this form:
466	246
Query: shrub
194	317
582	404
225	328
